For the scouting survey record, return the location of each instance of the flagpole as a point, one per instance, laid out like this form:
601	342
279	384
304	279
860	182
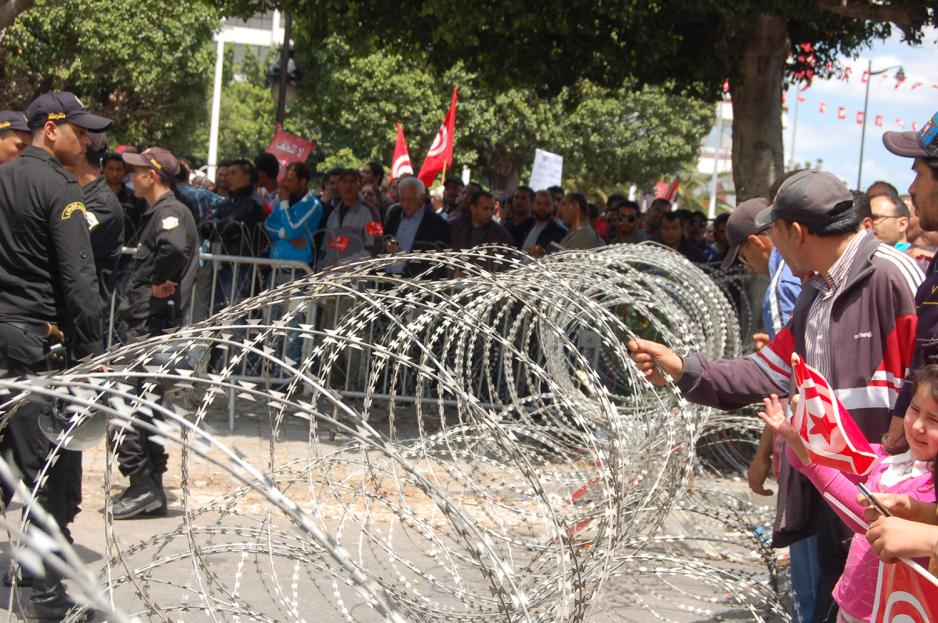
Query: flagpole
443	177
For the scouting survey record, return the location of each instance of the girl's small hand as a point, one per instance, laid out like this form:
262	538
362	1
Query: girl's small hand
774	417
892	538
899	504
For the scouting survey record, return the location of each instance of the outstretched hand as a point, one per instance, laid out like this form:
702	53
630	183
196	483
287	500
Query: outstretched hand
652	358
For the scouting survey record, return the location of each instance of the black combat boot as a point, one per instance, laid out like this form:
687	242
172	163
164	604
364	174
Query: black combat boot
142	496
162	510
49	603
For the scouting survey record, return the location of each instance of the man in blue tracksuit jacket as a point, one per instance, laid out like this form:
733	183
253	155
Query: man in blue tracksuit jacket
295	219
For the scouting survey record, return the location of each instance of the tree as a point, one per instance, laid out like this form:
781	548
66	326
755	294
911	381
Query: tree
697	43
350	101
146	65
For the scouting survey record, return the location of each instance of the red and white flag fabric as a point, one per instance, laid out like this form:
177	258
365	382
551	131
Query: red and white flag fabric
671	193
830	435
860	117
841	113
288	148
822	107
879	120
905	595
441	151
400	165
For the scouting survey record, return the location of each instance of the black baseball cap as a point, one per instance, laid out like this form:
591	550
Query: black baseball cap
13	120
64	106
741	225
157	158
921	144
810	198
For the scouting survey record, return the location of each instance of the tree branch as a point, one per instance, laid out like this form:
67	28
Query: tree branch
902	17
9	9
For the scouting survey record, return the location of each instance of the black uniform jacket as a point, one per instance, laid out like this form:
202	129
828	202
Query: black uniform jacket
47	271
106	222
168	251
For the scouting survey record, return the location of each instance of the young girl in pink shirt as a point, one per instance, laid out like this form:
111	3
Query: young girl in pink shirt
909	474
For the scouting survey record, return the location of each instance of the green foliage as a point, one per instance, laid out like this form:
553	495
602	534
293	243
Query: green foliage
146	65
344	158
350	103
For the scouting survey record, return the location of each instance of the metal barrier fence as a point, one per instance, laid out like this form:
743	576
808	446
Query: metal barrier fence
226	280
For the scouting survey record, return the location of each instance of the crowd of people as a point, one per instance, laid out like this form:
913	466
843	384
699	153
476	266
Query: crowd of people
846	292
848	297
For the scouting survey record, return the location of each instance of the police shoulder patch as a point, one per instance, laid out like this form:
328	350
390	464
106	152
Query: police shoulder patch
170	223
70	209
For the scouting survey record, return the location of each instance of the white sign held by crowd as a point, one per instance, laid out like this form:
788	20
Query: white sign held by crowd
547	170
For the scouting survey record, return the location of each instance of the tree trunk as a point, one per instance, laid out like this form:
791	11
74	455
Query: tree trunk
758	154
9	9
505	169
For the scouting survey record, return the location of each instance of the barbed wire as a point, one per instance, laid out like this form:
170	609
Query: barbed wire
477	448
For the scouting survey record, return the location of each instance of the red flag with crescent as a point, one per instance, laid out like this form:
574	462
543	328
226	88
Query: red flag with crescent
400	165
905	595
830	435
441	151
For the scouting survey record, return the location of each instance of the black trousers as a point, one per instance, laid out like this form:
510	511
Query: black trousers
137	453
23	444
833	543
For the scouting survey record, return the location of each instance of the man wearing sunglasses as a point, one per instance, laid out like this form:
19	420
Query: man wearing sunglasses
629	224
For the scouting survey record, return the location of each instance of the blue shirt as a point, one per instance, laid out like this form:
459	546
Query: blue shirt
204	199
291	228
406	235
784	289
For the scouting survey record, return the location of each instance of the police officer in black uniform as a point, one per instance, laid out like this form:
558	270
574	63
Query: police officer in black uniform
105	217
164	272
14	134
48	301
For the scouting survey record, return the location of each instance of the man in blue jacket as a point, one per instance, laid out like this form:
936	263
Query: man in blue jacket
295	219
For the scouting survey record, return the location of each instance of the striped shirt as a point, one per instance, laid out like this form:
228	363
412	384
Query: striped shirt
817	331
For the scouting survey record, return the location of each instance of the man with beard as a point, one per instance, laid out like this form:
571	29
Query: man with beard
521	219
546	233
922	146
629	223
295	218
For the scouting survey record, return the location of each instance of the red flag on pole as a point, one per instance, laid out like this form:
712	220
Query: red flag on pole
441	151
879	120
400	165
860	117
841	113
906	594
671	193
830	435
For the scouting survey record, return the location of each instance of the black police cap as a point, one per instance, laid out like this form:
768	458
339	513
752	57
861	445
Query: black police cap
64	106
13	120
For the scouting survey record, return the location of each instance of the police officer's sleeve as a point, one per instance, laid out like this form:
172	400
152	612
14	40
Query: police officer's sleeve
78	281
170	258
107	239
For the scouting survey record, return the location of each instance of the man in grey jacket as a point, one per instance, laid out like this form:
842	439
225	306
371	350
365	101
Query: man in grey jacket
352	227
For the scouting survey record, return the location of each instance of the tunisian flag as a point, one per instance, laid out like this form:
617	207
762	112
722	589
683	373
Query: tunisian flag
830	435
441	151
401	163
905	595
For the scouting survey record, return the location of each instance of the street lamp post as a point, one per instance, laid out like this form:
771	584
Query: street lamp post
284	68
866	102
